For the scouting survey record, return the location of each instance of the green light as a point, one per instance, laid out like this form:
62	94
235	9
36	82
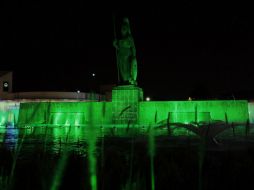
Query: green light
126	107
184	111
92	138
93	182
3	119
9	112
59	171
151	151
2	134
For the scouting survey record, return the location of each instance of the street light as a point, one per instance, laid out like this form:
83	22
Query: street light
78	92
148	98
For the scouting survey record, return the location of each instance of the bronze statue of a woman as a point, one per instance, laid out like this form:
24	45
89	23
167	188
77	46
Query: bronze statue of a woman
126	55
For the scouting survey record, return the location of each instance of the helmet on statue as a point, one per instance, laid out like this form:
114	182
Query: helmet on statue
125	30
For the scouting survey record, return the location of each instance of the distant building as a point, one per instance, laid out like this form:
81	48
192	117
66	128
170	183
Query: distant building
6	92
5	84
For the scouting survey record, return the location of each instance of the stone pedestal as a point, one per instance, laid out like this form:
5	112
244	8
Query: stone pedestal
125	100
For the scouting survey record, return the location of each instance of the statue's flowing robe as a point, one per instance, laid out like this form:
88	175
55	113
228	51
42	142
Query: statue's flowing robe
127	60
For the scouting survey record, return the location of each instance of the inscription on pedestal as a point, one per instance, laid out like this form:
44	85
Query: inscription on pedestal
125	100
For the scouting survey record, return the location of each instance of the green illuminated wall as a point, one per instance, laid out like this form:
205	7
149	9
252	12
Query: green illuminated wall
251	111
33	113
9	112
149	113
184	111
65	113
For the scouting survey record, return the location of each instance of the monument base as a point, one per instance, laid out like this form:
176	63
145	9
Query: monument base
125	104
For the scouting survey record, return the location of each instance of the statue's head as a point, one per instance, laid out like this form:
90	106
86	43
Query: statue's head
125	30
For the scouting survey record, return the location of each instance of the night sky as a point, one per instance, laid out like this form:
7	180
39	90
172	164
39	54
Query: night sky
184	49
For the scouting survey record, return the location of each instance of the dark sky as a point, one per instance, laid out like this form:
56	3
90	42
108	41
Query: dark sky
185	48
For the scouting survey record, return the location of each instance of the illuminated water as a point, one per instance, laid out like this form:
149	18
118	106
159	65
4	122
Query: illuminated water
121	158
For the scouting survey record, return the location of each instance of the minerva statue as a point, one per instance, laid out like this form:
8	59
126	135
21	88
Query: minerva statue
126	55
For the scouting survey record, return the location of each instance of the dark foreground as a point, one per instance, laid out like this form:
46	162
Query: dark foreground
51	160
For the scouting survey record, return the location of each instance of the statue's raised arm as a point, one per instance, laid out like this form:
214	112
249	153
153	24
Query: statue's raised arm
126	55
